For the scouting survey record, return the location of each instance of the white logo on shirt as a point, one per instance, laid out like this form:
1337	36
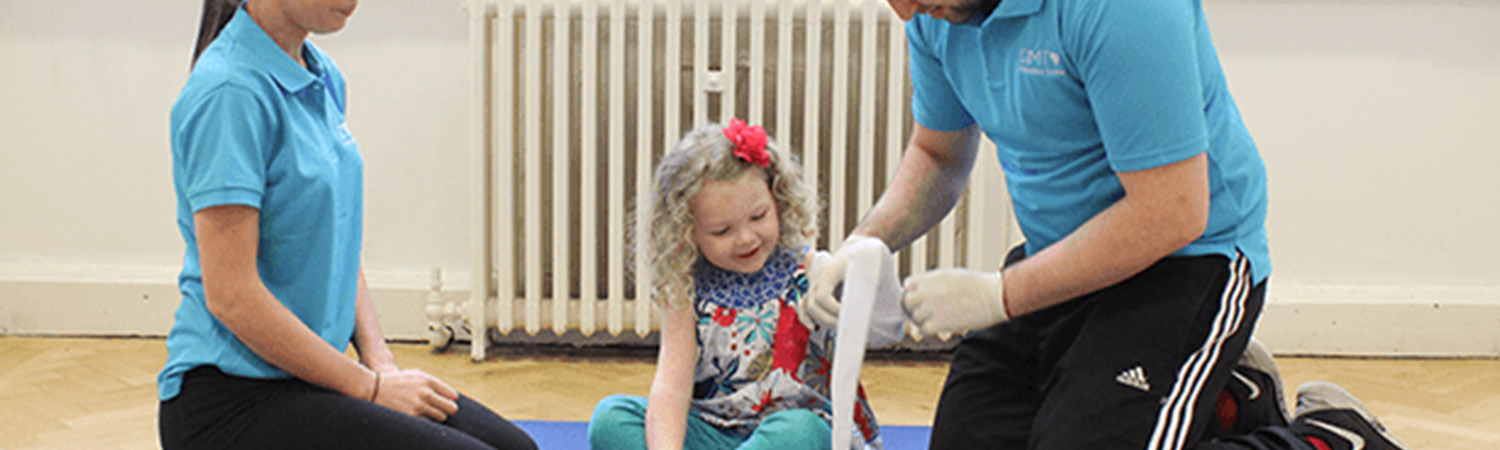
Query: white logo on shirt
1040	62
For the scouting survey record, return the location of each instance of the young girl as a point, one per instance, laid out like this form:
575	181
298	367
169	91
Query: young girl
731	221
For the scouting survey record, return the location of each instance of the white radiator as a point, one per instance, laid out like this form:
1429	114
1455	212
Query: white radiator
575	100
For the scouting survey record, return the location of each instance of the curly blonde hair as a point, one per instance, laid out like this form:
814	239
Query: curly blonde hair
705	154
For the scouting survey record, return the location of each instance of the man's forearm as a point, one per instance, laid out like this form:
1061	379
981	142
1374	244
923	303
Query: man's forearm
927	185
1168	210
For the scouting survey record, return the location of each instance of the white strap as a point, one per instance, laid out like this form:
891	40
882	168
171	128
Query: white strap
870	313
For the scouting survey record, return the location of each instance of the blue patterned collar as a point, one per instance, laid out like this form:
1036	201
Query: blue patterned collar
741	290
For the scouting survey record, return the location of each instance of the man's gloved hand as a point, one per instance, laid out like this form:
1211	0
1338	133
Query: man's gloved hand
824	276
955	300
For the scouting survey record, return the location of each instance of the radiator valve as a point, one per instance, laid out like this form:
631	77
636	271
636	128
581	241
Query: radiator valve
439	322
713	81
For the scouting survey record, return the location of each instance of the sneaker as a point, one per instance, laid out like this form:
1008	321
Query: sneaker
1253	398
1330	418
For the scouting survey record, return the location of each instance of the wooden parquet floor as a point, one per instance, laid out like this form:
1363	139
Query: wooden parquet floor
71	393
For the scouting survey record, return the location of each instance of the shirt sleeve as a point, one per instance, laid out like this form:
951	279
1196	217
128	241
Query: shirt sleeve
934	104
223	149
1139	65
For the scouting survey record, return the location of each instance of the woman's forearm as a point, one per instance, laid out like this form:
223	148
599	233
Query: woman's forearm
275	334
228	238
369	340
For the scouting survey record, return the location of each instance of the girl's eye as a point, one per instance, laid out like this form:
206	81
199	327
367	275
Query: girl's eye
721	232
758	217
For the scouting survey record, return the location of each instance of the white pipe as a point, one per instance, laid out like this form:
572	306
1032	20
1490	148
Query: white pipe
504	155
673	93
895	96
479	190
757	114
616	265
646	131
728	66
783	130
864	192
838	130
588	253
811	148
700	63
561	153
532	131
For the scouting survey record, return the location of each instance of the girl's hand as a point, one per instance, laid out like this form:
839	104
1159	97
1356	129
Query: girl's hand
416	394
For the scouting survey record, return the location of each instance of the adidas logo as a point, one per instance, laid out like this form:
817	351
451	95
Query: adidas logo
1134	377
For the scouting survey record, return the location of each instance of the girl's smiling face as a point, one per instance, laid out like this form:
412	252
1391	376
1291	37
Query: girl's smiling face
735	223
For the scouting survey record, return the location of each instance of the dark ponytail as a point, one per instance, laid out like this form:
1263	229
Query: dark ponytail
216	14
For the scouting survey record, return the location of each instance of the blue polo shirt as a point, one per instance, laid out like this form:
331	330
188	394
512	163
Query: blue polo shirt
1073	92
252	127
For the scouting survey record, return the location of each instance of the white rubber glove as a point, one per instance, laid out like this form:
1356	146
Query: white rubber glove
826	274
955	300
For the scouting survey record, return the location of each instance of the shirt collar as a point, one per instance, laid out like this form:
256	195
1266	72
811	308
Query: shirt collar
745	290
1009	9
269	56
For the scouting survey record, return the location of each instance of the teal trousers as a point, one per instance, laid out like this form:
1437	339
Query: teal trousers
619	423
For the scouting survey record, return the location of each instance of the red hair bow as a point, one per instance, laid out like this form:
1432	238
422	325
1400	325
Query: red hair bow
749	142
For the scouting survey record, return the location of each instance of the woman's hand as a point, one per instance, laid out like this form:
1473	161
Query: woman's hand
415	393
384	367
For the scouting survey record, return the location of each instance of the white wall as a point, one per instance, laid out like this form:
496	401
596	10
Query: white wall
1377	123
1375	118
85	172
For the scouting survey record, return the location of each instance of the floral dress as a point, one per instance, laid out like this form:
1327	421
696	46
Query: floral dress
755	358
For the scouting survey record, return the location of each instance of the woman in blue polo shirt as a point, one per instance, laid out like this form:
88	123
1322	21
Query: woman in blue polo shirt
269	187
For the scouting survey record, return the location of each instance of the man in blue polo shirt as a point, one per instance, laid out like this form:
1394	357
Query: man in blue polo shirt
1143	200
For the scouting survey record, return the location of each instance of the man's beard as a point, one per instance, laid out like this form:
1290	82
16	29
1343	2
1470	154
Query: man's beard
963	13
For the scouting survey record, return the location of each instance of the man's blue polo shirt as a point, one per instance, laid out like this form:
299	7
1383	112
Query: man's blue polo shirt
1074	91
252	127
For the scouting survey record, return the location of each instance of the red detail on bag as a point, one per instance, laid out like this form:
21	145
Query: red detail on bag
1227	410
1318	443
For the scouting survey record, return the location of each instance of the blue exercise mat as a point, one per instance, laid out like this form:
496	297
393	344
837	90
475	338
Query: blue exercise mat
574	435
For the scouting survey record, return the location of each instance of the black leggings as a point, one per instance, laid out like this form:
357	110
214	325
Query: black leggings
219	411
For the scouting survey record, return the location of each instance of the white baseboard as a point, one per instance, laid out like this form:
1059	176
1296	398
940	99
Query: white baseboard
132	301
1426	321
1407	321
